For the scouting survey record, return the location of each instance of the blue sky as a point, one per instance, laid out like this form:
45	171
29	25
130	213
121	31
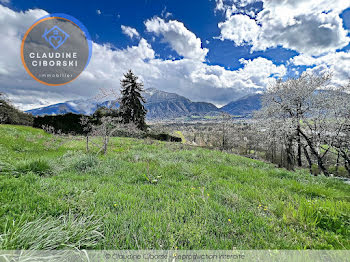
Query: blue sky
197	15
237	46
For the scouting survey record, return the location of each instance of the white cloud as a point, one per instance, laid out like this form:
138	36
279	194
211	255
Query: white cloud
183	41
303	60
240	28
188	76
313	27
336	62
165	14
129	31
98	11
13	26
219	5
255	74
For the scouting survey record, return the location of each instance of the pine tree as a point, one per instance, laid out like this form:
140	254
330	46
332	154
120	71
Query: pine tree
131	108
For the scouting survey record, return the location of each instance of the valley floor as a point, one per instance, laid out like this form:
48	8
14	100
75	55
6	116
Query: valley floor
148	194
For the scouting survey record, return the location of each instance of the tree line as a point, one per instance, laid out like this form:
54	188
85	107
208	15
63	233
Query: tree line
11	115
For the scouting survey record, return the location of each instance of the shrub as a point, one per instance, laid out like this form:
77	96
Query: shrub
165	137
67	123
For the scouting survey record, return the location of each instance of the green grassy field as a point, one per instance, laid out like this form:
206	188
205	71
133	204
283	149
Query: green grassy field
155	195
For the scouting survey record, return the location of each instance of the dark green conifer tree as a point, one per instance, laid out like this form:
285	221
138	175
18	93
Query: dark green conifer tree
131	108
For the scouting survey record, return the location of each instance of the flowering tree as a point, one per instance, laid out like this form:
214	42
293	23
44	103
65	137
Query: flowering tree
297	112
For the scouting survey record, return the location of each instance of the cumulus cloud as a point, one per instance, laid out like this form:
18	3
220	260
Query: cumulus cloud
188	76
312	27
219	5
13	26
336	62
241	29
129	31
183	41
255	74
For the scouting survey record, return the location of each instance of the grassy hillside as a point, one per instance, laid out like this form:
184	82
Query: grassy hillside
55	196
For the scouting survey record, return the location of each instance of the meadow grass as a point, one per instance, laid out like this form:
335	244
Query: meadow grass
157	195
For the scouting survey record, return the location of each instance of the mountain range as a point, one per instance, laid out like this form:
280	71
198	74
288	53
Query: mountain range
159	105
243	106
